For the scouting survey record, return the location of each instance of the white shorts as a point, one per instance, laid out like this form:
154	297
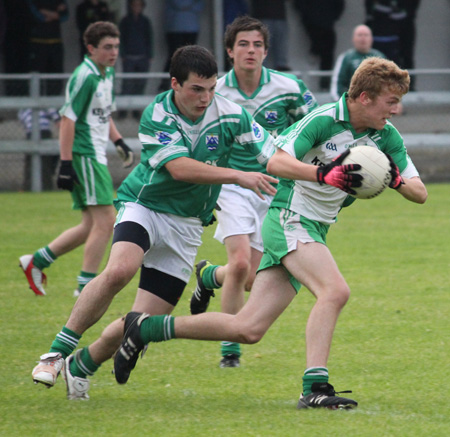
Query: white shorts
174	240
242	213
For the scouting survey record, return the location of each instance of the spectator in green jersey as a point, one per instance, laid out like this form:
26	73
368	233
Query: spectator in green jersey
349	61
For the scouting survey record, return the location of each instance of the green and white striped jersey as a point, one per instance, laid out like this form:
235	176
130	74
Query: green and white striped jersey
166	134
318	139
280	100
89	102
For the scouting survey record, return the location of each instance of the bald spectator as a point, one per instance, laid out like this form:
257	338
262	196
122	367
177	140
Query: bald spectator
349	61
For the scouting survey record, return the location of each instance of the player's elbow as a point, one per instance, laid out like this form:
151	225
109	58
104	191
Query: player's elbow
416	191
177	175
422	198
271	166
250	337
423	195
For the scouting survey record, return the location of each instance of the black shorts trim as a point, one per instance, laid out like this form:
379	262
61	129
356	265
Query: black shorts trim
133	233
161	284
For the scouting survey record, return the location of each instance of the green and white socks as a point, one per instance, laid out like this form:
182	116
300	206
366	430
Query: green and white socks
312	375
208	275
230	348
157	328
82	364
84	278
210	282
65	342
43	258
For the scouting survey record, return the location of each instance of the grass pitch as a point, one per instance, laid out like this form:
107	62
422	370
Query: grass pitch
390	347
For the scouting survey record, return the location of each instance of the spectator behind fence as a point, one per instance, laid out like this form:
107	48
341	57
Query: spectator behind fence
87	12
46	44
16	45
48	119
85	129
318	18
136	49
182	21
273	15
348	61
394	30
115	9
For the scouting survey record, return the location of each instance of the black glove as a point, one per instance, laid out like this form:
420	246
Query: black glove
338	175
125	153
396	180
213	219
67	176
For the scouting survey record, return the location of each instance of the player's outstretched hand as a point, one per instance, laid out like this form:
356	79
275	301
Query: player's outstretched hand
258	182
339	175
67	176
396	180
125	153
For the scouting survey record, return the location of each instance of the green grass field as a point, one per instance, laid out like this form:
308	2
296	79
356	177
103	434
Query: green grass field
391	344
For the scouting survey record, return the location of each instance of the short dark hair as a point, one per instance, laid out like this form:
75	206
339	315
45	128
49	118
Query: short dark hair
192	59
245	23
95	32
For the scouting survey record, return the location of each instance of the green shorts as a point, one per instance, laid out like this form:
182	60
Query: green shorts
96	187
281	230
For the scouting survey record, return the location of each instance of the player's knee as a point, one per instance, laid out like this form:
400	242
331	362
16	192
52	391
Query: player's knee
118	275
104	223
338	295
239	267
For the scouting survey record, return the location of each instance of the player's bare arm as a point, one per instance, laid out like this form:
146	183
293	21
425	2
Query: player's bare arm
283	165
414	190
66	137
114	133
189	170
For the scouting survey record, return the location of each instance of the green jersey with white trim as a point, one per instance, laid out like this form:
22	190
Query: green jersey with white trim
280	100
166	134
346	65
89	102
320	138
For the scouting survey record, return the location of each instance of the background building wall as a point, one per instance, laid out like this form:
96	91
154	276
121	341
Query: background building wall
433	37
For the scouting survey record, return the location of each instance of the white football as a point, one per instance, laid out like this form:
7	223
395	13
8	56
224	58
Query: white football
375	168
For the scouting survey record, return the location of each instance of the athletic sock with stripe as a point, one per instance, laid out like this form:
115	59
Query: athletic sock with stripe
43	258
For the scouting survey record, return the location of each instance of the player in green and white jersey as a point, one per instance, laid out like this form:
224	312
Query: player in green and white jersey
187	135
349	61
85	129
276	100
314	186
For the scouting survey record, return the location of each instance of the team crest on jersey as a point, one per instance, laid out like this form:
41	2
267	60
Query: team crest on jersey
256	130
271	116
98	94
212	141
308	98
163	137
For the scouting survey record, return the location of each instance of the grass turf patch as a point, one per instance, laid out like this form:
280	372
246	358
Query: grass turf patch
390	346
